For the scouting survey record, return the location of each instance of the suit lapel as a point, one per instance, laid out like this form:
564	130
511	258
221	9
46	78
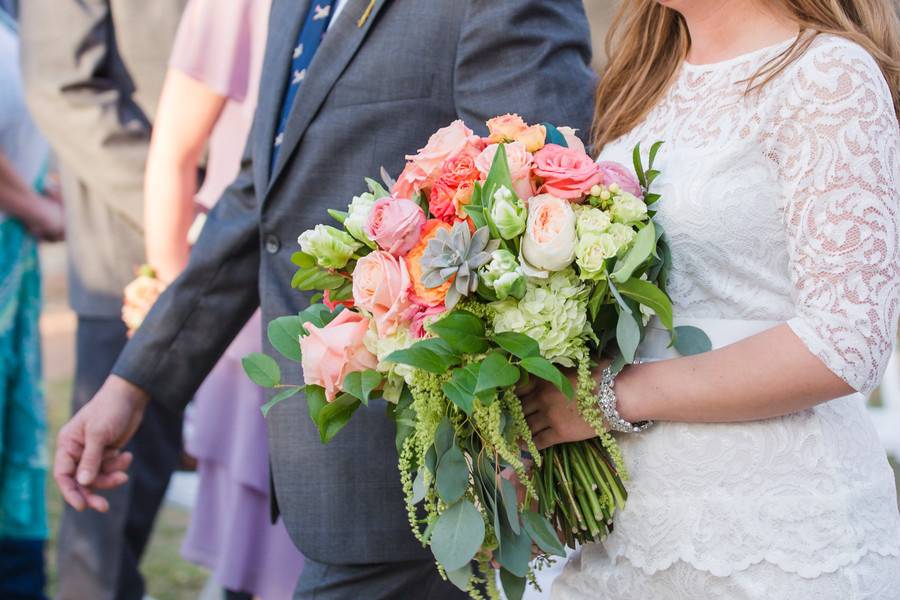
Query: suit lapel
285	21
343	39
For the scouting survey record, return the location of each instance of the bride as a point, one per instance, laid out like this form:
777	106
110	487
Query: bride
763	476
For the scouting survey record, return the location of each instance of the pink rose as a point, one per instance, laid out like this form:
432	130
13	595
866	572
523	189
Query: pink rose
567	172
419	315
381	286
425	167
519	160
329	353
613	172
395	224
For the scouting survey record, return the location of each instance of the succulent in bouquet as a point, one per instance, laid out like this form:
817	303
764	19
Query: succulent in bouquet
489	262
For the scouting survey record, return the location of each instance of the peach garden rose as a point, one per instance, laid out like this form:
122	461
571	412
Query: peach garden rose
381	286
329	353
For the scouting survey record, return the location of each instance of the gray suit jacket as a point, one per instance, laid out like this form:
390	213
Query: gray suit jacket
372	94
93	72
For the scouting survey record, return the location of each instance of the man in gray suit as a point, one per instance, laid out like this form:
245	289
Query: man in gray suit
93	71
387	75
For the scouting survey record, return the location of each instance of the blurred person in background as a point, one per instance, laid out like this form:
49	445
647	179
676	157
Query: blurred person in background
26	215
209	97
93	72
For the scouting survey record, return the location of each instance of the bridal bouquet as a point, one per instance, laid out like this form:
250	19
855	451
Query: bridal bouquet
488	262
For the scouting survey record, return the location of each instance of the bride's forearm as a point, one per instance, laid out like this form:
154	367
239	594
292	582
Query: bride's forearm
766	375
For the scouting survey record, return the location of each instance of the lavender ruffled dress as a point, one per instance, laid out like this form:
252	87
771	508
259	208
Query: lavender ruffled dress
221	44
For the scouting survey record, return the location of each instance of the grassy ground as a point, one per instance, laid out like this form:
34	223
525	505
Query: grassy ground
168	576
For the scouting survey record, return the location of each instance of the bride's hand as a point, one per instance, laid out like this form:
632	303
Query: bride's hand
552	417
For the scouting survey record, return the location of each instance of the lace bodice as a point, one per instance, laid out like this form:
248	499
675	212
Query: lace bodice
785	205
779	206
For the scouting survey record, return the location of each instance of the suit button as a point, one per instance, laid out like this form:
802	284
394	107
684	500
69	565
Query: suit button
272	244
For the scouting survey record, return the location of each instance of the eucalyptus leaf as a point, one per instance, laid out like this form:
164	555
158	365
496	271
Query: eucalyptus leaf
691	340
279	397
542	533
419	487
458	534
443	438
284	335
262	369
431	460
460	577
628	335
641	249
510	504
517	344
514	552
554	135
452	477
513	587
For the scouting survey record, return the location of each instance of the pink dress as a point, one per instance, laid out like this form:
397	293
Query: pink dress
221	44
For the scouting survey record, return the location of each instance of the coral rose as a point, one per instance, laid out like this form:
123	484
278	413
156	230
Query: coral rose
395	224
381	286
425	167
566	172
420	293
330	353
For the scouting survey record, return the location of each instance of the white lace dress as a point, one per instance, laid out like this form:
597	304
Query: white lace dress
779	207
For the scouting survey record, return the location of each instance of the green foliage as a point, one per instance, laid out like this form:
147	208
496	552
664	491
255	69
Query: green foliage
284	335
452	477
279	397
315	401
431	355
513	586
303	260
517	344
461	388
457	535
650	296
338	215
543	368
628	334
691	340
508	499
554	136
541	531
262	370
463	332
361	384
641	250
514	552
316	278
318	315
494	372
335	415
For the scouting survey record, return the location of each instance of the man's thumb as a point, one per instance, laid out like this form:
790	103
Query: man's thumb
91	458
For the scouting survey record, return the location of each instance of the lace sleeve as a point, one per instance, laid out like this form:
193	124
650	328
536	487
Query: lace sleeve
837	149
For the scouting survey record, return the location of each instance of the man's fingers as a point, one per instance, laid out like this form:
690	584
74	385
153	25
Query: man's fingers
67	453
91	458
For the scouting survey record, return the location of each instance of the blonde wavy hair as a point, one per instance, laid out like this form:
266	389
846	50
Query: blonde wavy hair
647	42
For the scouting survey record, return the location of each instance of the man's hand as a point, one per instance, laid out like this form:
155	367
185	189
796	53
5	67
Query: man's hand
88	448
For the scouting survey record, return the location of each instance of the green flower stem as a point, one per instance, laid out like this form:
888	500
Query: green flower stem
593	464
617	489
592	526
578	523
589	487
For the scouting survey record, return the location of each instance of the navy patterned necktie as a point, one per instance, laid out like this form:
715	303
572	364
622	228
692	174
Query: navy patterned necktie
308	41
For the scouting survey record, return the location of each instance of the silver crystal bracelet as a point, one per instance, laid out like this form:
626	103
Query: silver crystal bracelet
608	402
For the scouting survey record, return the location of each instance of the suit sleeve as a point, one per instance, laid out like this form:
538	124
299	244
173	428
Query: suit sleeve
201	312
81	97
530	57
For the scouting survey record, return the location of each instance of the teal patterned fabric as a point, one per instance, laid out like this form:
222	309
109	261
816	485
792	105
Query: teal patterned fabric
23	460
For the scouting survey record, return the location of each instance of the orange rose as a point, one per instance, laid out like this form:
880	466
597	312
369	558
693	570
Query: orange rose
422	294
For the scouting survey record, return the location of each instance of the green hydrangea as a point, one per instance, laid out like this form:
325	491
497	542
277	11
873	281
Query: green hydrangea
553	312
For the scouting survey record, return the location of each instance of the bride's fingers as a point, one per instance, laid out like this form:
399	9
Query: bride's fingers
545	439
530	405
537	422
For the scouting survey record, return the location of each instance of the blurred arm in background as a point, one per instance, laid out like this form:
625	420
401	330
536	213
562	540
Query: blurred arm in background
41	214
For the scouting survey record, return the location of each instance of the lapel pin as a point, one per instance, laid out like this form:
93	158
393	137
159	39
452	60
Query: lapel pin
366	14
